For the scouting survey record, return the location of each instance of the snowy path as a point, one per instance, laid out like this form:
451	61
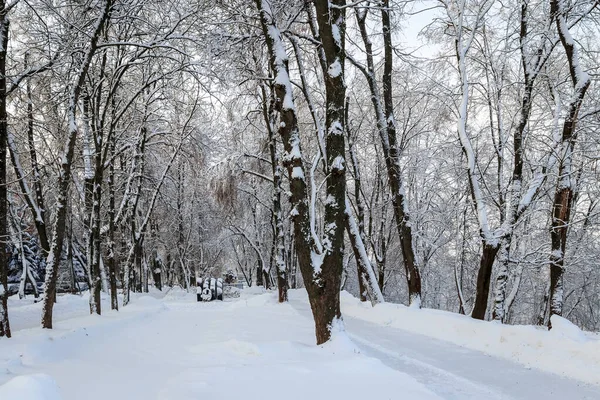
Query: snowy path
177	349
454	372
253	348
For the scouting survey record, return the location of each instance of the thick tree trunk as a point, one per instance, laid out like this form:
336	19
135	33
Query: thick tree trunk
259	273
321	267
156	266
138	168
96	265
489	241
516	205
39	220
331	18
484	276
499	312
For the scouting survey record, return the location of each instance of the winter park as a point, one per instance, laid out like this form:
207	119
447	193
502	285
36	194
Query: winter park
300	199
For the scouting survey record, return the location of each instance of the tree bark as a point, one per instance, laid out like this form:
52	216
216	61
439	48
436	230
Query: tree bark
484	276
321	267
4	320
532	66
360	267
112	257
331	19
35	202
563	197
399	200
386	126
278	232
65	171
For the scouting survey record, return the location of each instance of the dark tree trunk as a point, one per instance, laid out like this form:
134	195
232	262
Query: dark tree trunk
35	204
4	321
399	199
259	273
483	279
331	18
563	197
95	233
40	223
112	257
138	254
98	124
156	264
129	279
93	184
386	126
65	172
322	281
278	251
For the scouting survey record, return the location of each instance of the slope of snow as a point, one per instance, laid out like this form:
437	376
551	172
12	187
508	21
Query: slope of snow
565	350
172	347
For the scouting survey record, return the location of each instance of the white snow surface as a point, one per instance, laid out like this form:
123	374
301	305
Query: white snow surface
565	350
172	347
168	346
30	387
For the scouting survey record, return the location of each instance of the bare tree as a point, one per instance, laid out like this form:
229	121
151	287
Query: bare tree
564	192
58	230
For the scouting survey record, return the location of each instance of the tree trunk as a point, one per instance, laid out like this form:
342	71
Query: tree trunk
563	197
360	267
65	172
93	168
278	251
386	125
484	276
259	273
367	277
331	18
321	278
516	205
156	264
4	321
112	257
399	199
499	313
35	203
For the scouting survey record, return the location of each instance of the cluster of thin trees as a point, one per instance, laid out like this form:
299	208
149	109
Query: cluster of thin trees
103	113
306	144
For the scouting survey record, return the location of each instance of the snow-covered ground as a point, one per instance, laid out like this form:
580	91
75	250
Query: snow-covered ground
565	350
170	347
